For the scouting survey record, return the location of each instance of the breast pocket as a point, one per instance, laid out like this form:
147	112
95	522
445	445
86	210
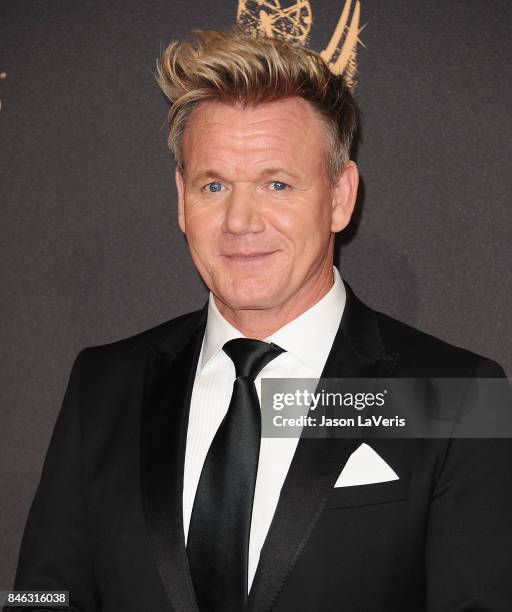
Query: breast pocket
369	494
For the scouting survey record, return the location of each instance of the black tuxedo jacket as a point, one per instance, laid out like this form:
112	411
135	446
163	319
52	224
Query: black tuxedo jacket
106	520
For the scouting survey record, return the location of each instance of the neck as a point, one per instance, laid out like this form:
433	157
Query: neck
261	323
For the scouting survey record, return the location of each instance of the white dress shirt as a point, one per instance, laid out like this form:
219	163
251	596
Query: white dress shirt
307	340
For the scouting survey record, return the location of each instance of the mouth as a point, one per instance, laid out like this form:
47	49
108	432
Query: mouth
254	257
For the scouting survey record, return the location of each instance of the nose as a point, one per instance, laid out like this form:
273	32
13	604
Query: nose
242	212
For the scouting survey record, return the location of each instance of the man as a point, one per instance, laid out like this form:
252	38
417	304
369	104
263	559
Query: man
157	492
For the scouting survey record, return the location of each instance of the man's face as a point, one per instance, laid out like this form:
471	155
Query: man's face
255	203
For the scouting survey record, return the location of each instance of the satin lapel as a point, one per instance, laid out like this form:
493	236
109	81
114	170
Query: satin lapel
168	384
357	351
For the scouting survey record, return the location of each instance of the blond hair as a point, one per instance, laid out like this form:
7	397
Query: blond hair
238	68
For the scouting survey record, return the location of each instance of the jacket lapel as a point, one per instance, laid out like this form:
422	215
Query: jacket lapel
168	383
357	351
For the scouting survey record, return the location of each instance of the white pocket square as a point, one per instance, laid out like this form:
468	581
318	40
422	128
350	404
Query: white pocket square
365	466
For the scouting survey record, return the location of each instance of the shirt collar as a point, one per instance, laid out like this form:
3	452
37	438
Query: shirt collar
308	337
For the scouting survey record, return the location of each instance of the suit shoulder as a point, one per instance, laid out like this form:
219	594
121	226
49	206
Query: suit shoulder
141	341
431	355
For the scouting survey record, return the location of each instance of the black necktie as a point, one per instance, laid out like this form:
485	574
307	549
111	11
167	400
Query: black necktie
218	537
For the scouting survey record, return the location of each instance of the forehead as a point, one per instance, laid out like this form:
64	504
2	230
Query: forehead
288	130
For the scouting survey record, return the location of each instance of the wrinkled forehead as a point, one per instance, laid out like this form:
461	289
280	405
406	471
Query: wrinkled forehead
283	131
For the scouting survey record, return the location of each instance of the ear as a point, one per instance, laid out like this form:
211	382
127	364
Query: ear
344	197
180	188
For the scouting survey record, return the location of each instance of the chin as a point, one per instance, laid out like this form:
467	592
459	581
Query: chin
247	300
246	303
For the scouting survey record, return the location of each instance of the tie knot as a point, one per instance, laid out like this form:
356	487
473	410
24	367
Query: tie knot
251	356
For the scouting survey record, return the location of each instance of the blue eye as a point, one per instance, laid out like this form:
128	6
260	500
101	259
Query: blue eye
279	185
216	185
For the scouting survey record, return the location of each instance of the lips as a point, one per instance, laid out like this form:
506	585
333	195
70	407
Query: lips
248	257
254	254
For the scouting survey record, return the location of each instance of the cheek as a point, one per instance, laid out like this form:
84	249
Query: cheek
305	224
201	228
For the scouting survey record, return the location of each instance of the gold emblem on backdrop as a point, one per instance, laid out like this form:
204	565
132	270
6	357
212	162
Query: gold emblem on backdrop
293	23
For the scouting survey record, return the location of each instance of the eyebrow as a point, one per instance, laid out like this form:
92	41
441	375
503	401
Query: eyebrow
211	173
